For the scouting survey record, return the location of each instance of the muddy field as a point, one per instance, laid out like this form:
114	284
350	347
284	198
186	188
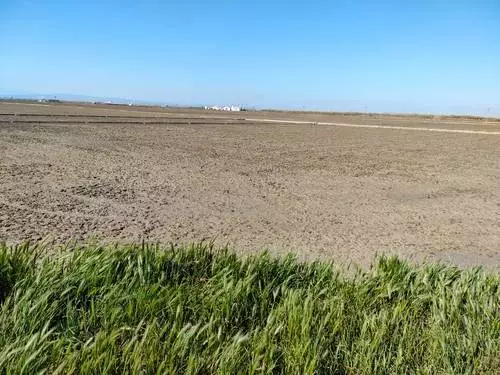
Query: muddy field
322	190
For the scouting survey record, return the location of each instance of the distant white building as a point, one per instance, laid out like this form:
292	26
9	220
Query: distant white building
226	108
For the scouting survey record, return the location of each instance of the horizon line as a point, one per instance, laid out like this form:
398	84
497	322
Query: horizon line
91	99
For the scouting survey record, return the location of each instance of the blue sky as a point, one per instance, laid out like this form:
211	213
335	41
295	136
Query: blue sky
427	56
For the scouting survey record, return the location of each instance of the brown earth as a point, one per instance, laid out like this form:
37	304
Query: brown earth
323	191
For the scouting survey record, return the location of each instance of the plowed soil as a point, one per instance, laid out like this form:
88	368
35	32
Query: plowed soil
320	190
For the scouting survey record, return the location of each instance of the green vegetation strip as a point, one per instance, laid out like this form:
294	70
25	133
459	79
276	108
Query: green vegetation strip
149	309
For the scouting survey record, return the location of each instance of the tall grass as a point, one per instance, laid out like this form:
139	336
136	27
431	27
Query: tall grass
147	309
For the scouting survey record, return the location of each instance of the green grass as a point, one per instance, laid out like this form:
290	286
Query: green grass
149	309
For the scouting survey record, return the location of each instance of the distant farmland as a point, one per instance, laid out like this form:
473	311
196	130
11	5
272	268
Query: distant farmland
301	184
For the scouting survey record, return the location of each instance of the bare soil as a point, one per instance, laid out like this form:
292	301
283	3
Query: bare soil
330	192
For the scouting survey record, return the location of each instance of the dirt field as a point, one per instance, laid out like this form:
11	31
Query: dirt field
321	190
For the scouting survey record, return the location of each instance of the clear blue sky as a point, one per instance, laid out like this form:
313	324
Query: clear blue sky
427	56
